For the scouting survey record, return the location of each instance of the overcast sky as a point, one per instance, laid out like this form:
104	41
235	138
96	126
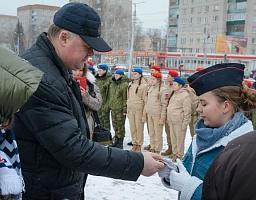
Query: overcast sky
153	13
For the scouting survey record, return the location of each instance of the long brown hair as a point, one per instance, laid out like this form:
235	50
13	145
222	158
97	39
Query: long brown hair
242	98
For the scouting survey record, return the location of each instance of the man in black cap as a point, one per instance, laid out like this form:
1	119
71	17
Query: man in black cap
56	154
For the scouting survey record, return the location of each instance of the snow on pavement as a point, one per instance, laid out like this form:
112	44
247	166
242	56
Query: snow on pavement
101	188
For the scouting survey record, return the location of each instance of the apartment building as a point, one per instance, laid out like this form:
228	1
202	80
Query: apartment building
116	19
7	26
35	19
198	26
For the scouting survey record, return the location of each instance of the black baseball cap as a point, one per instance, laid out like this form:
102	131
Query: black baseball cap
82	20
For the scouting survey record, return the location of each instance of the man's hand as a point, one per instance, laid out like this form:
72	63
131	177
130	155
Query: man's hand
152	164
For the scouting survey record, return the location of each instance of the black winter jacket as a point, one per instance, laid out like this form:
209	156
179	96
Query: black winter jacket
232	174
51	134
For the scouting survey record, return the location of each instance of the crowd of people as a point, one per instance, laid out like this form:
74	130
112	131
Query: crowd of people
48	120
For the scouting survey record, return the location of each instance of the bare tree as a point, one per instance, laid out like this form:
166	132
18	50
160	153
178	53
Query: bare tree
155	35
138	36
19	38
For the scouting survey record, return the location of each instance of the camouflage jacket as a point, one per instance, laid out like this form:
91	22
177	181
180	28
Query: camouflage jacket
118	94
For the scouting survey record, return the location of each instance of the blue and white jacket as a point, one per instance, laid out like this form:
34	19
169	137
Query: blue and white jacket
197	163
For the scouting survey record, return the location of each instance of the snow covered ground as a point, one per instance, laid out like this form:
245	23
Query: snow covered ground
101	188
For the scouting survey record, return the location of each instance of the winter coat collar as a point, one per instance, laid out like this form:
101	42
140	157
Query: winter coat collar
245	128
45	44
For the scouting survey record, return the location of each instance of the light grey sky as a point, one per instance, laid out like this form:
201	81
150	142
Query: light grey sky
153	13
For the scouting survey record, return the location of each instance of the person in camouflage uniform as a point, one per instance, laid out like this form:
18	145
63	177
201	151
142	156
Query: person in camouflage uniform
117	105
103	80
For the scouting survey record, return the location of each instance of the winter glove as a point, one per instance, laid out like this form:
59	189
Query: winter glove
165	172
161	121
183	180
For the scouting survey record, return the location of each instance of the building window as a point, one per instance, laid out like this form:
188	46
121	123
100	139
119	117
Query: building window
198	40
254	18
197	50
192	10
199	20
254	29
215	18
184	21
199	9
183	40
197	30
185	1
191	40
191	20
241	5
216	7
184	11
206	19
193	1
253	41
207	8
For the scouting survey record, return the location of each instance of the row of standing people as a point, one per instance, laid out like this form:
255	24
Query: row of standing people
146	101
173	105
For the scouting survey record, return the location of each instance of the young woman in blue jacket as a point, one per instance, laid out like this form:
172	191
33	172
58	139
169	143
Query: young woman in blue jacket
222	97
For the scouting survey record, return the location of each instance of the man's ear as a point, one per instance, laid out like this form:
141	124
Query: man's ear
63	38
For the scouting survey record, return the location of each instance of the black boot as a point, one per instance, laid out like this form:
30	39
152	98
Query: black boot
120	143
114	144
130	143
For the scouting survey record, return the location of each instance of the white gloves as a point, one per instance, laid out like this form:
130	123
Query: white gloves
178	180
165	172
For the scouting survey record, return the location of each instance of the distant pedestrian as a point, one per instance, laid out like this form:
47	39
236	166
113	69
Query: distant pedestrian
91	96
103	80
118	107
135	104
170	76
155	111
178	116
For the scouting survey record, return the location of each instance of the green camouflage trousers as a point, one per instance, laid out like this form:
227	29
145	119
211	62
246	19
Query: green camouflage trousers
104	116
118	122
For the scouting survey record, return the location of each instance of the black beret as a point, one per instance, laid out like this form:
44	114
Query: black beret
225	74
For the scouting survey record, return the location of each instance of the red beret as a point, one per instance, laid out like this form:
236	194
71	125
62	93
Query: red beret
156	67
90	63
173	73
199	69
156	74
248	83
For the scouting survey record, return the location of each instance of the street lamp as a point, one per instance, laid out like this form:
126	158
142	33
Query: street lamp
132	39
180	67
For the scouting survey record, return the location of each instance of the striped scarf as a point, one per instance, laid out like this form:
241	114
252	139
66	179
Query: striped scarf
11	180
